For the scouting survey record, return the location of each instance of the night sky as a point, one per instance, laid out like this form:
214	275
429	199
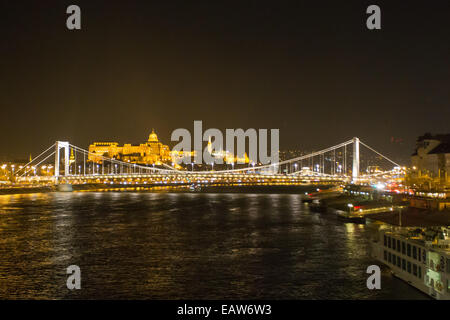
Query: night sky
311	69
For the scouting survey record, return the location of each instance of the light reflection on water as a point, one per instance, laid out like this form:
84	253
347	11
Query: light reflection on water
183	245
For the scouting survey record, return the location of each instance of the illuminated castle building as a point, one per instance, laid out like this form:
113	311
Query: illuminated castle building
150	152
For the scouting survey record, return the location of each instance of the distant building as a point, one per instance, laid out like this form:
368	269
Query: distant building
432	157
150	152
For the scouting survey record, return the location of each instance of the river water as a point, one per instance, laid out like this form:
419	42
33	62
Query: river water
139	245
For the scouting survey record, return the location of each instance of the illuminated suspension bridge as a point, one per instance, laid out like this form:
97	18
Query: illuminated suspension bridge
340	163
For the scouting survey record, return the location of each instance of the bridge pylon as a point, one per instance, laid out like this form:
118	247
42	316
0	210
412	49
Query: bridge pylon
355	168
58	146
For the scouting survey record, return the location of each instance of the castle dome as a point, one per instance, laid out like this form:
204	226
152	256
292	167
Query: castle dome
153	137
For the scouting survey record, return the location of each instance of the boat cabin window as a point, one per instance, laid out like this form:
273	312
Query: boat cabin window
399	263
409	250
414	252
385	255
393	244
403	248
398	245
389	242
403	264
409	267
419	255
385	241
415	269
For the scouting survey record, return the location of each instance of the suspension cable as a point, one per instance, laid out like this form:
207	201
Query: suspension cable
35	158
379	153
51	154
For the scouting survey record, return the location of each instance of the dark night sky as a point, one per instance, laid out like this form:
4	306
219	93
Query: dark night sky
311	69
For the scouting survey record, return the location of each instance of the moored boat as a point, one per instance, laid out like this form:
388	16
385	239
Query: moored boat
349	217
418	256
195	188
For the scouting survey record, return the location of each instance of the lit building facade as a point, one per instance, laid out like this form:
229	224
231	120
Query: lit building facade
432	156
150	152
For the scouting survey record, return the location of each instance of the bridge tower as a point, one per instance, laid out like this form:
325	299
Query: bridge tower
355	169
58	146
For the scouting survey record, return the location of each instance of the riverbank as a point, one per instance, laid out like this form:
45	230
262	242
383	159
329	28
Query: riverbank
24	190
174	187
396	212
413	217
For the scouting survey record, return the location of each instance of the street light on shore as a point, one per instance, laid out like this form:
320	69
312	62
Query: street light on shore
350	206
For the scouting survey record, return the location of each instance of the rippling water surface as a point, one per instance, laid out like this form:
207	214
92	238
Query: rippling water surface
183	246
